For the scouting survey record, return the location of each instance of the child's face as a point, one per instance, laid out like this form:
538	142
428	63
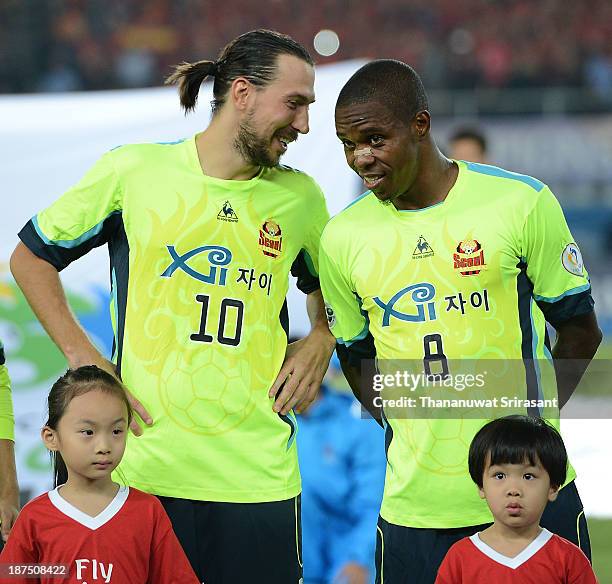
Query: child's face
517	493
90	435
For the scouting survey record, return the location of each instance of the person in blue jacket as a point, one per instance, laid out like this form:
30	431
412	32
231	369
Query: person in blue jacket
342	463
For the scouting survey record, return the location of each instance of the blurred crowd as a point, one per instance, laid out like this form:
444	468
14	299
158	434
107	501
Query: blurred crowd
62	45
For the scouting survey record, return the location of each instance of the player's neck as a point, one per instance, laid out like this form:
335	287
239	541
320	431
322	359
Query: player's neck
509	541
218	157
437	176
87	495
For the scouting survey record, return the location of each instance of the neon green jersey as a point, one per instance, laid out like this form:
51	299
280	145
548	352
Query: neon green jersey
7	419
199	272
474	277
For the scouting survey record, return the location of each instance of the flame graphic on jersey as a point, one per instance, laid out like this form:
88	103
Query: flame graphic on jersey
182	371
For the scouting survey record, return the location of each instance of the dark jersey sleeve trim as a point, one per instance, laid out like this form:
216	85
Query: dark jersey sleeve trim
356	352
567	307
60	257
306	281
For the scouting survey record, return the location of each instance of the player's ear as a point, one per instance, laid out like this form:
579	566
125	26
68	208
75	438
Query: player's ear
421	124
240	91
49	438
481	493
552	493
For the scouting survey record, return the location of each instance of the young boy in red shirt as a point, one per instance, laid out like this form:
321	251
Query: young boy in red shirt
519	463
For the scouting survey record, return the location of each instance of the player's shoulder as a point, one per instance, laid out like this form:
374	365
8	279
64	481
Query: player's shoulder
488	175
127	155
358	211
294	179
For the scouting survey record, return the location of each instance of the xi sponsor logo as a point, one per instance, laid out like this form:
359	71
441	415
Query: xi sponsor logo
217	255
422	294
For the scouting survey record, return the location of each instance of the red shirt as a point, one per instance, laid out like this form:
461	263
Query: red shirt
547	559
129	542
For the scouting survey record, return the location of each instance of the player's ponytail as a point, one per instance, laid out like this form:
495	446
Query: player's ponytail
252	56
189	77
73	383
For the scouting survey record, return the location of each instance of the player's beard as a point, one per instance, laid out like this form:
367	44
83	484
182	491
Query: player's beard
254	149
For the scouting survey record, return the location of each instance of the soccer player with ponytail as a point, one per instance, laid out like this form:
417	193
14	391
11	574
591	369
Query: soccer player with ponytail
202	236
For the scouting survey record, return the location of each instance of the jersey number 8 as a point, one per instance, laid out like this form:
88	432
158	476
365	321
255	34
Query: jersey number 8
437	356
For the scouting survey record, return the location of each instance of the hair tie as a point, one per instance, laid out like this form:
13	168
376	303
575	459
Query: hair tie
214	68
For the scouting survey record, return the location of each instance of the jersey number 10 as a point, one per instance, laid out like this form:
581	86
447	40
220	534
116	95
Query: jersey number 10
203	337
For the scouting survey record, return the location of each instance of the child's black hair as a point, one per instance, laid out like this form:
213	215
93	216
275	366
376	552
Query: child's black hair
514	440
73	383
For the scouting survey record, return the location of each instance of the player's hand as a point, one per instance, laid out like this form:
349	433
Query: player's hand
9	509
352	573
137	407
300	377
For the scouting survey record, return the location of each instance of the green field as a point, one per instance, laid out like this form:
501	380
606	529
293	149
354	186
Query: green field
601	544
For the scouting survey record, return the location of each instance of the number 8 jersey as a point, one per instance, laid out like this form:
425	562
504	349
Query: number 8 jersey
470	279
199	270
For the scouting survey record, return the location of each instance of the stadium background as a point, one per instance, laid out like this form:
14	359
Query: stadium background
79	77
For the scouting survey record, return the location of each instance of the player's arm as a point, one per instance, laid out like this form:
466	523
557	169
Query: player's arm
347	322
307	360
352	358
562	290
41	285
85	217
9	490
577	342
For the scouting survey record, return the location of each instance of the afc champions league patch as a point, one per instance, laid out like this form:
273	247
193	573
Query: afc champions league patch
468	258
270	238
571	258
329	313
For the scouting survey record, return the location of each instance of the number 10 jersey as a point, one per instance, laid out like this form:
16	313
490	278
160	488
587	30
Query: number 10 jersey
199	271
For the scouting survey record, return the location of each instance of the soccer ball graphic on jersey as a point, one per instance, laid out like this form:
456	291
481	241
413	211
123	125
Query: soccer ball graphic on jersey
440	438
468	247
434	444
209	397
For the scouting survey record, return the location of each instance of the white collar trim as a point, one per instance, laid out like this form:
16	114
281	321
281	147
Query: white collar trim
534	547
91	522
